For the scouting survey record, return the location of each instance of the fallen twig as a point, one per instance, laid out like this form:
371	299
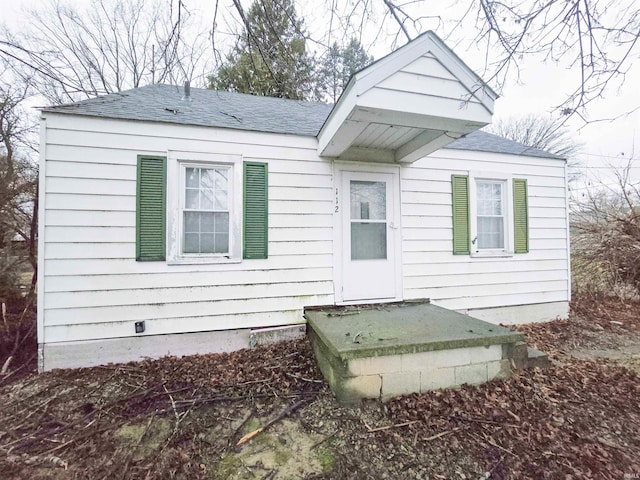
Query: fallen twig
286	412
388	427
317	444
270	475
5	367
4	315
29	440
310	380
493	444
241	426
441	434
481	420
76	438
238	398
24	400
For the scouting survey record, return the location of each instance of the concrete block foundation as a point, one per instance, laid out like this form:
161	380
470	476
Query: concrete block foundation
406	348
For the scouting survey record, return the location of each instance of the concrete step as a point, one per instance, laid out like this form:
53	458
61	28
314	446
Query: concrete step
518	356
536	358
523	357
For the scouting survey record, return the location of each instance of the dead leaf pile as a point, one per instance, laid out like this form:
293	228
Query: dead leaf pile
610	313
76	414
185	418
578	420
593	324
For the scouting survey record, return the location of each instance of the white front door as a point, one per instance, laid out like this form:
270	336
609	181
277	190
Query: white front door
370	236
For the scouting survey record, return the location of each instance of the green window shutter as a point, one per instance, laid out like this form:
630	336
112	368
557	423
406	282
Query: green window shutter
255	220
151	208
460	193
520	216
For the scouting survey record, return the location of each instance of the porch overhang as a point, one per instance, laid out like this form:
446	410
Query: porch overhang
406	105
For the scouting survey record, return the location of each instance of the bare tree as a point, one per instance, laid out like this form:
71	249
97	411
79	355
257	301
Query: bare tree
544	133
18	193
606	237
538	131
70	53
117	44
598	40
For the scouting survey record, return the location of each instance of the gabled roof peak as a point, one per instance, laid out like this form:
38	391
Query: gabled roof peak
406	105
411	50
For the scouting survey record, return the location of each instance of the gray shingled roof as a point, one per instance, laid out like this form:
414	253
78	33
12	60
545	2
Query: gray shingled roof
212	108
487	142
207	108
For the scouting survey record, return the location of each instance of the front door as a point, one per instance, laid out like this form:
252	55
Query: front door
370	236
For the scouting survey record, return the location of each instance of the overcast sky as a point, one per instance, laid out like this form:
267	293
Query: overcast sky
539	88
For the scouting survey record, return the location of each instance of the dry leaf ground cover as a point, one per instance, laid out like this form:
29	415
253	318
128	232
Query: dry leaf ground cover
183	418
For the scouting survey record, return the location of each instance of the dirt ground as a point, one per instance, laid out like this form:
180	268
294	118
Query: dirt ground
197	417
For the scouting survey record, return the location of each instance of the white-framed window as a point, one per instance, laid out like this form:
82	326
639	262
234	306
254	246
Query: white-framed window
204	206
491	221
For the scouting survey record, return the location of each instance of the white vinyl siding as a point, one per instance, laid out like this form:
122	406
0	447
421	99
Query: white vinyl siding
94	288
425	85
461	282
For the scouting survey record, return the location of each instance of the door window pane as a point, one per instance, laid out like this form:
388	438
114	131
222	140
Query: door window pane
368	241
368	220
368	200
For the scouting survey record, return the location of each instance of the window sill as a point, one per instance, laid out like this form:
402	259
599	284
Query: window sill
202	260
491	254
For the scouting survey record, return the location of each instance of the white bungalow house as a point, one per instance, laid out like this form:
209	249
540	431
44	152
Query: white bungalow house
176	223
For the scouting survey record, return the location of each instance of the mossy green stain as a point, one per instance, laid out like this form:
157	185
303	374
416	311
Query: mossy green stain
327	459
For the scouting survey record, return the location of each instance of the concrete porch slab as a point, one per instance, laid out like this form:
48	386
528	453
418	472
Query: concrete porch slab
385	350
403	327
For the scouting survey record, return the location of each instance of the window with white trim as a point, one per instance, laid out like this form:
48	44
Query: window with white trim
198	208
491	223
204	208
490	214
